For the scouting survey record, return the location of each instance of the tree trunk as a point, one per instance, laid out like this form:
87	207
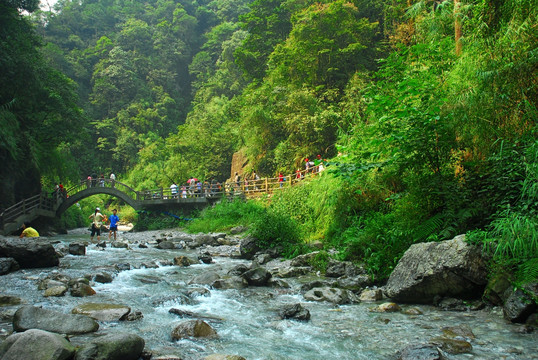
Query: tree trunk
457	26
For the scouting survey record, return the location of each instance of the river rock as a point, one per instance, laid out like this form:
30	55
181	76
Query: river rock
238	270
334	295
412	311
119	346
184	261
248	247
203	239
518	307
77	248
238	230
49	283
337	269
122	266
353	283
205	258
102	311
232	282
257	277
458	331
81	289
103	278
8	300
31	317
8	265
386	307
305	259
55	291
205	278
193	328
371	295
294	311
278	283
447	268
450	304
166	245
119	245
29	252
496	289
288	272
223	357
262	258
420	352
453	346
35	344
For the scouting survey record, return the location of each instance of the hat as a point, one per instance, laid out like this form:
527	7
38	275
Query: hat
97	209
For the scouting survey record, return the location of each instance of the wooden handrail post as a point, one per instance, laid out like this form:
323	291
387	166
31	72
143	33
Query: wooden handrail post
266	185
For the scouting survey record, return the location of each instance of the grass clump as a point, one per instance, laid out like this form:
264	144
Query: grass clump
225	215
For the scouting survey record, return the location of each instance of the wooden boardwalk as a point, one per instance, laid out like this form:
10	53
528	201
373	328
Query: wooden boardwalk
162	199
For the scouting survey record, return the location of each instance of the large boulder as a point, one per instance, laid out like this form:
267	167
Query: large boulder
8	265
112	347
31	317
447	268
193	328
29	252
257	277
36	344
102	311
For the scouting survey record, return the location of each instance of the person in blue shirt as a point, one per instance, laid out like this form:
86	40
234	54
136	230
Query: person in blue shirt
113	223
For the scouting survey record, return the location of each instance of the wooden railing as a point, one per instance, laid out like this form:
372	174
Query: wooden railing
244	187
39	201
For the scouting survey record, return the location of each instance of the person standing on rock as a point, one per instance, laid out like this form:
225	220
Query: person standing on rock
28	231
113	224
98	219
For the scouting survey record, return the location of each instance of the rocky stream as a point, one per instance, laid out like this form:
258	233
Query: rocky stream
170	295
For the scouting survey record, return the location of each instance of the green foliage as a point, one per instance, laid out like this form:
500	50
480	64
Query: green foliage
225	215
275	229
155	221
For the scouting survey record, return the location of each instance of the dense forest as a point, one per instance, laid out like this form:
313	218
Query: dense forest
426	110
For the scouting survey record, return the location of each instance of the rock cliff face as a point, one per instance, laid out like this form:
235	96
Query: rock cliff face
448	268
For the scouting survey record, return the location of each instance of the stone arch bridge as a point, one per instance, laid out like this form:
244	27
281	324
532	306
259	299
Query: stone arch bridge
54	205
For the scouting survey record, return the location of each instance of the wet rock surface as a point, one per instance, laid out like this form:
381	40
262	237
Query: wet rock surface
120	346
448	268
102	311
35	344
31	317
29	252
193	328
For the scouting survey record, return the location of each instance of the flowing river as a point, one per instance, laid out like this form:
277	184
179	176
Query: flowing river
247	320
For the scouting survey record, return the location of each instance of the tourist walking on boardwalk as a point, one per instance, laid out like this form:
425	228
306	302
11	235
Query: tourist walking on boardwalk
173	190
97	222
281	179
114	218
112	179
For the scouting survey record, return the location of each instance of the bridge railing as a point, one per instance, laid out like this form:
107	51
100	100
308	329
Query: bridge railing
108	183
39	201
